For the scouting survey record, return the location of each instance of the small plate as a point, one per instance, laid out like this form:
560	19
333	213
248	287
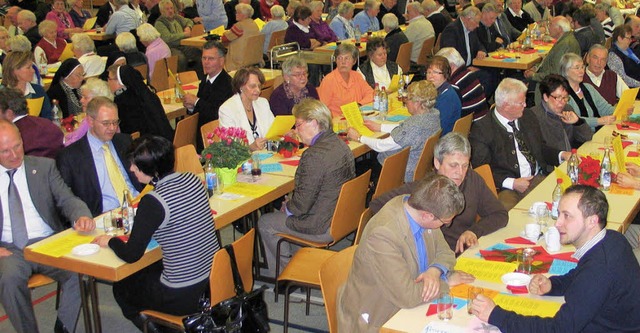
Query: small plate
85	250
516	279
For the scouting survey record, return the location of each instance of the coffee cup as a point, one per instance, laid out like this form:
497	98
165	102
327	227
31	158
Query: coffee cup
532	231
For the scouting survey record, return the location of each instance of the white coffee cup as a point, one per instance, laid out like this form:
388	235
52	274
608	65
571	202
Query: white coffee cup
552	238
532	231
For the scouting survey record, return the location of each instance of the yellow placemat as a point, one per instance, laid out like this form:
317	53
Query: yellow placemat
617	189
527	306
217	31
250	190
485	270
63	245
462	290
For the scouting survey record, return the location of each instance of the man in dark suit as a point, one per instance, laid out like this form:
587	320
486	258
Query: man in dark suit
32	196
27	23
104	12
510	141
95	167
582	30
214	90
390	6
433	13
461	35
40	136
487	32
504	27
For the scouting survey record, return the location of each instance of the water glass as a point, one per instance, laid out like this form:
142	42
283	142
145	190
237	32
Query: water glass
445	306
110	221
541	214
471	295
256	170
524	260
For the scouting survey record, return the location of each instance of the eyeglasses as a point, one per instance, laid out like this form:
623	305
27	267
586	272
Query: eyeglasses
430	72
108	123
300	74
627	37
561	98
444	222
344	58
579	68
300	123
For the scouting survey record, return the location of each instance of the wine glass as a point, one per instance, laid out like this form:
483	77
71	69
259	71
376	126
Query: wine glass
541	214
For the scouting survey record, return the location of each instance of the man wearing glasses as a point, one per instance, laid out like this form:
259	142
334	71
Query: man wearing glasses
95	167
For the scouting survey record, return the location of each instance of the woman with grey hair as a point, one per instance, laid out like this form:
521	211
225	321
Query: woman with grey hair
323	32
413	132
585	100
237	36
156	47
324	167
78	14
50	47
126	42
342	24
276	23
378	69
295	88
84	51
395	36
344	85
94	87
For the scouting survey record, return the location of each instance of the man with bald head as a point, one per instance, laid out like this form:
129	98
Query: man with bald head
12	15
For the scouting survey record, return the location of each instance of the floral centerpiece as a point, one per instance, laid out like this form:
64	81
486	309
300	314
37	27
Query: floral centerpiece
69	123
589	171
227	153
288	146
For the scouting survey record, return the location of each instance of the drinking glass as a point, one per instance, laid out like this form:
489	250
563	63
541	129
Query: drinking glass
110	221
471	295
256	171
541	214
608	142
445	306
524	260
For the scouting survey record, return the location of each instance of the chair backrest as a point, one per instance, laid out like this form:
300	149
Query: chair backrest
392	173
333	274
186	131
425	162
426	51
277	38
350	205
266	92
364	219
436	46
187	160
197	30
188	77
143	70
221	278
404	56
485	172
160	75
463	125
253	51
209	128
607	42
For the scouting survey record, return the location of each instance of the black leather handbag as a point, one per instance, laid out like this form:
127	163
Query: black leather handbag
244	313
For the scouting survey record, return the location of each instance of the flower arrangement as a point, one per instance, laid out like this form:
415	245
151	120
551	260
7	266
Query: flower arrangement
589	171
230	151
68	123
288	146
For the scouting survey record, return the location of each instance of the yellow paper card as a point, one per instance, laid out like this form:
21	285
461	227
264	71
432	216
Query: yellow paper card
485	270
217	31
35	106
626	101
617	189
281	126
249	190
89	23
462	290
260	23
527	306
354	118
67	53
62	246
566	181
148	188
393	86
619	153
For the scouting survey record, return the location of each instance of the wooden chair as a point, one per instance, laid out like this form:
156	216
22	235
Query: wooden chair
220	280
135	135
189	77
197	29
266	92
404	57
186	131
463	125
436	46
364	219
277	38
143	70
187	160
485	172
392	173
333	274
39	280
160	75
209	128
425	162
252	51
426	51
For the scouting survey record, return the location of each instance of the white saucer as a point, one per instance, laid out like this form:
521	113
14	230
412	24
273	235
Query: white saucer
516	279
85	249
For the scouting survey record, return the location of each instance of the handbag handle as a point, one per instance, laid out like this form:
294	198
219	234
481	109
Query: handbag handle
237	279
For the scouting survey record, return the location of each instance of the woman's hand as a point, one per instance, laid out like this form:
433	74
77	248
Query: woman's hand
626	180
353	134
258	144
460	277
569	117
102	240
372	125
633	169
606	120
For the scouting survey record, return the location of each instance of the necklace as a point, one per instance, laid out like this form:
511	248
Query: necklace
579	90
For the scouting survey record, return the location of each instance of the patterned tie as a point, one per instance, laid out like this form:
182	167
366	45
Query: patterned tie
115	176
523	147
16	214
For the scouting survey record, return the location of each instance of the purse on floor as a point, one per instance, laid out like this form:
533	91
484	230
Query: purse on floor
244	313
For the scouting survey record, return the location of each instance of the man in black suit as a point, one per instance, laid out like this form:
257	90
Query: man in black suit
390	6
487	32
510	141
104	12
214	90
583	31
85	164
27	23
433	13
461	35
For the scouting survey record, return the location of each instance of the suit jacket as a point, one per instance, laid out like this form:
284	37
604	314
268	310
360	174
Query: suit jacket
40	137
586	38
34	36
104	12
78	170
453	36
551	63
488	35
492	144
394	39
232	114
506	29
385	265
439	22
50	195
211	96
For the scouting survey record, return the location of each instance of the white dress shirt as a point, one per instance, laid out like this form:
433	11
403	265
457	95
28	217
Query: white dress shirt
525	168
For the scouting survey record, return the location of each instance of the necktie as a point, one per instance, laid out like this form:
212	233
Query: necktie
115	176
523	147
466	41
16	214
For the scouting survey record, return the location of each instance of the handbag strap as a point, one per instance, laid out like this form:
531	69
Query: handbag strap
237	279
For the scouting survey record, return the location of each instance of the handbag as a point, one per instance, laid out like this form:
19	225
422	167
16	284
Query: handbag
244	313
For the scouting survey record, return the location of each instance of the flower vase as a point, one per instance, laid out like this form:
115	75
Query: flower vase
227	176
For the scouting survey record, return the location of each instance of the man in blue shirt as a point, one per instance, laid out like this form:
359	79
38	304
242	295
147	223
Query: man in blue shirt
367	20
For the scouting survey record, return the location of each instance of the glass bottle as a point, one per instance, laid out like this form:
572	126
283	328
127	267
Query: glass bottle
57	117
605	171
557	194
573	167
127	212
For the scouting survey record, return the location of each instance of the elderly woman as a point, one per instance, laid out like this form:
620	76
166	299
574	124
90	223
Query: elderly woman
246	109
84	50
448	101
342	24
300	31
344	85
324	167
65	87
94	87
156	47
139	108
78	14
584	98
126	42
295	88
451	159
238	34
378	69
50	47
277	23
320	28
413	132
63	20
331	8
622	59
395	36
174	284
17	72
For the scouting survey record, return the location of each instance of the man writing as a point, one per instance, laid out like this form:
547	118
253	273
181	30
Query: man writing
601	294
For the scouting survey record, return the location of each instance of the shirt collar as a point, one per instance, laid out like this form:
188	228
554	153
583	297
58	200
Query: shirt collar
4	170
315	138
518	14
19	117
213	78
589	245
95	143
29	89
302	27
593	75
504	121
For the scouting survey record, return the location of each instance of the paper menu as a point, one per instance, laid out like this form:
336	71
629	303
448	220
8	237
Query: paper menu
527	306
260	23
618	151
281	125
393	86
34	105
62	246
485	270
89	23
217	31
626	101
354	118
249	190
566	181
